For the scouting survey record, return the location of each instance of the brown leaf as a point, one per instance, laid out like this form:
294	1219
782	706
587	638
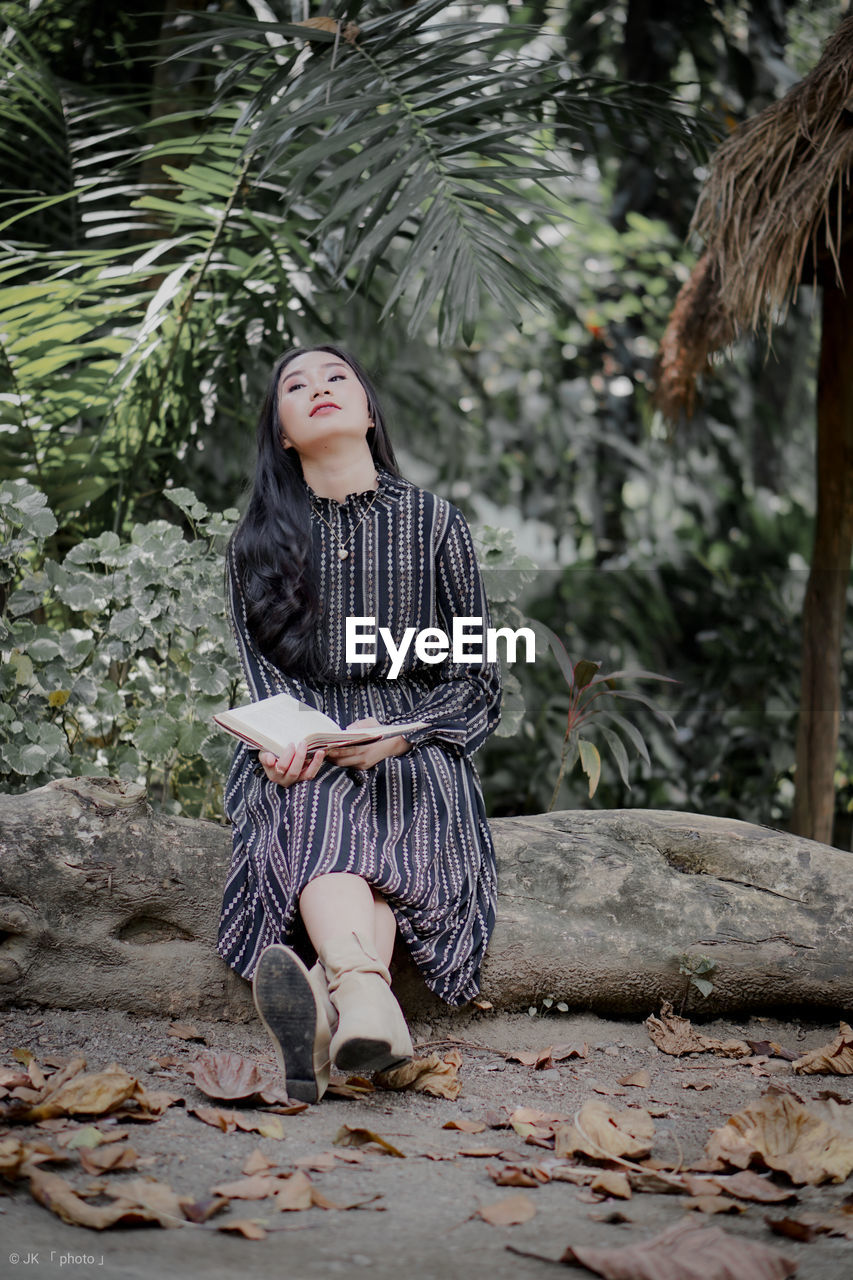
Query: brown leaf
227	1075
714	1204
257	1162
509	1211
244	1227
137	1201
17	1158
319	24
227	1121
294	1193
107	1157
86	1093
685	1252
258	1187
11	1079
771	1049
156	1198
676	1036
611	1183
513	1176
600	1130
465	1126
747	1185
638	1079
203	1210
480	1152
186	1031
434	1075
793	1229
538	1058
698	1085
831	1059
782	1134
153	1102
350	1135
321	1163
562	1052
35	1075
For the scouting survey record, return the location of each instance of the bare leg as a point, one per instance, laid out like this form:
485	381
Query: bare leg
338	902
384	928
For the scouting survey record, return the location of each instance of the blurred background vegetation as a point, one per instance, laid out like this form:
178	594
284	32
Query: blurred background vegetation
489	205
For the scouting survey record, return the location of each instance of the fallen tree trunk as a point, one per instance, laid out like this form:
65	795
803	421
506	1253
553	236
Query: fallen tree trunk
104	902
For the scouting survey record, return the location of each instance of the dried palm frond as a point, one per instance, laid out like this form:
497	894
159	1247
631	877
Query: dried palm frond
778	187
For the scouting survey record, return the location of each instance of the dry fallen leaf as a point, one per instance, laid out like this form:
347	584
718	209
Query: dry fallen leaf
638	1079
227	1121
229	1076
350	1135
508	1212
829	1059
685	1252
747	1185
156	1198
674	1035
257	1162
86	1093
714	1204
107	1157
435	1075
136	1201
185	1031
611	1183
600	1130
465	1126
783	1134
203	1210
244	1227
256	1187
295	1192
540	1059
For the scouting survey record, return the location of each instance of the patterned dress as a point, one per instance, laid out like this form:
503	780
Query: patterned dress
413	825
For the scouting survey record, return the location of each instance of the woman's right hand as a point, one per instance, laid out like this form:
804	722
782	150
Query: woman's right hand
290	766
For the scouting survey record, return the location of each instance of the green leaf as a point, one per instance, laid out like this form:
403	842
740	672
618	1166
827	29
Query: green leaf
590	763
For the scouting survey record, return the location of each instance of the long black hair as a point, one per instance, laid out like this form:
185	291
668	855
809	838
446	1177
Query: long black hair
272	545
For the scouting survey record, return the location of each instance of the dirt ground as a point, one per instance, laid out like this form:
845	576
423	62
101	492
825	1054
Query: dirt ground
418	1218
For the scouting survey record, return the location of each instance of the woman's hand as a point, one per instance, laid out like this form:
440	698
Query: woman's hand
364	755
291	766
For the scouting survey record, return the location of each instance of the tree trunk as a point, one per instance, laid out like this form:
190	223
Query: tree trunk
826	593
104	903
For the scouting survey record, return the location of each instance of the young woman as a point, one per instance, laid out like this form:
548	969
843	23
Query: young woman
337	852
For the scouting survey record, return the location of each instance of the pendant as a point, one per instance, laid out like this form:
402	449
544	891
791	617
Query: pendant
343	554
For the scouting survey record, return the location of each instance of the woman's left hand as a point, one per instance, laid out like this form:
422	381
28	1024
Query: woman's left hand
366	754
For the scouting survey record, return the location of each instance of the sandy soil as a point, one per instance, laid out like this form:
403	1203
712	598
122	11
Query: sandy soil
422	1223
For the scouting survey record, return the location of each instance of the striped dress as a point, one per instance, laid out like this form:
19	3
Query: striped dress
413	825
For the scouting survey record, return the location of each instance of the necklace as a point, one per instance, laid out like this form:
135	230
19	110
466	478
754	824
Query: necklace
343	554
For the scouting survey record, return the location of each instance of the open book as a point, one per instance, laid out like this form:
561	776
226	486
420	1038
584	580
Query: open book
274	722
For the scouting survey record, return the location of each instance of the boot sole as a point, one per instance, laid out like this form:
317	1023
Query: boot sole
360	1055
287	1008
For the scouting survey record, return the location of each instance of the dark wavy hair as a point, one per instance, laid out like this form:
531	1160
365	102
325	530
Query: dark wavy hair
272	545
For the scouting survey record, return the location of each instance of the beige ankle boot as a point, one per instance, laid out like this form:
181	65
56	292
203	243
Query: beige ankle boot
294	1006
372	1034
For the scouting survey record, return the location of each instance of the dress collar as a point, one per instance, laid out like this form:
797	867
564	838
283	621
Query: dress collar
389	486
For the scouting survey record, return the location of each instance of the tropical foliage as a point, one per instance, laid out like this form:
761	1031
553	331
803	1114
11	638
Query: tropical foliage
188	192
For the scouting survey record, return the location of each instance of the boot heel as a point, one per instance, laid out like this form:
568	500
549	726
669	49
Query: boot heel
288	1010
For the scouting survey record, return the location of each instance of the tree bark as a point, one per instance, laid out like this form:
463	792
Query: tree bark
825	602
104	903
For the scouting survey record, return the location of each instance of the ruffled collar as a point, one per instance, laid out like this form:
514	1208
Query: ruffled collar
384	493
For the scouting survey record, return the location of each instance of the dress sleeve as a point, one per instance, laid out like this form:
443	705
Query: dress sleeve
463	707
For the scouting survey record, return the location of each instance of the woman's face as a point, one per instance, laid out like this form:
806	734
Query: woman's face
320	399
